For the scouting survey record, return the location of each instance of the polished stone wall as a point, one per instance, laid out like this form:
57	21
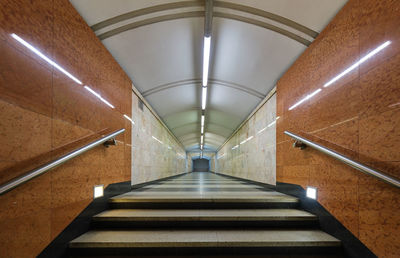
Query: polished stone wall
357	115
155	152
44	113
250	152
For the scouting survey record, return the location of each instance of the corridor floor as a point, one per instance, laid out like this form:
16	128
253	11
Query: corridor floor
203	211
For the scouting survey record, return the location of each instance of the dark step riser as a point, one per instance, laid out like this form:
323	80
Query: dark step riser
233	251
204	224
201	205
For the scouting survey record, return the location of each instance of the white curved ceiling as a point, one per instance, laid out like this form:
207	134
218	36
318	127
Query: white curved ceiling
161	49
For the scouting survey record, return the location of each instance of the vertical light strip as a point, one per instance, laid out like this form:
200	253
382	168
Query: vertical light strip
355	65
202	120
202	130
48	60
206	59
201	139
204	97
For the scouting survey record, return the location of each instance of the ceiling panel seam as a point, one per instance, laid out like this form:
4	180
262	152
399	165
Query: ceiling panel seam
170	85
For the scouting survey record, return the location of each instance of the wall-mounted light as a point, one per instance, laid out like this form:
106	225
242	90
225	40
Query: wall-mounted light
202	130
98	96
204	97
98	191
48	60
248	139
235	147
206	59
309	96
157	139
355	65
127	117
202	120
311	192
201	139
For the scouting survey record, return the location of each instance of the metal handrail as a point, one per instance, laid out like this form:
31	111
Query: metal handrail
44	168
361	167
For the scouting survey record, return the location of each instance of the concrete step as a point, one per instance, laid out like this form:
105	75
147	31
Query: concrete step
220	200
122	218
208	241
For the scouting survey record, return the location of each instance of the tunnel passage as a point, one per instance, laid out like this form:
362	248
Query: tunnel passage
201	165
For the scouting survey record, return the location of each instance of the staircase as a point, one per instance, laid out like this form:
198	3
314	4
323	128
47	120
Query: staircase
204	214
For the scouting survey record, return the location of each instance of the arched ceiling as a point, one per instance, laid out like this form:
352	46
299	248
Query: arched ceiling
159	44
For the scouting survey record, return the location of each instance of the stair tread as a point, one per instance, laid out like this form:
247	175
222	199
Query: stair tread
204	197
204	238
204	215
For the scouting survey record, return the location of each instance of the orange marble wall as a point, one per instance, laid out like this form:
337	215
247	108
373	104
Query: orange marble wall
358	115
42	110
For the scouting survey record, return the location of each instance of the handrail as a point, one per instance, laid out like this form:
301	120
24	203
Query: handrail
44	168
361	167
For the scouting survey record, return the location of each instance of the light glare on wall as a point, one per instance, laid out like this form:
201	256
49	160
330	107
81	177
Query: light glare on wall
98	191
355	65
98	96
48	60
311	192
309	96
127	117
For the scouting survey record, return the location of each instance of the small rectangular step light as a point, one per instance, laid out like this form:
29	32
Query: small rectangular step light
312	192
98	191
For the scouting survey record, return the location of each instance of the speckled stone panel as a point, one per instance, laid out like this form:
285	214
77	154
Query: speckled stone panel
357	116
43	113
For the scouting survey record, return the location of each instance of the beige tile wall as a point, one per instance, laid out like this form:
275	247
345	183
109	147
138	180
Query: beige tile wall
251	152
155	152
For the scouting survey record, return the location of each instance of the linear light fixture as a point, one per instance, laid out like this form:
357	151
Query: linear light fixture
127	117
204	97
98	96
235	147
355	65
206	59
202	120
201	139
48	60
221	156
305	98
248	139
202	130
201	146
157	139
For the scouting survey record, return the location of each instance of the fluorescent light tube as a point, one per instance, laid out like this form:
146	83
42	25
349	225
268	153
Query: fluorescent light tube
127	117
48	60
201	139
355	65
98	96
309	96
206	59
202	120
204	98
202	130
